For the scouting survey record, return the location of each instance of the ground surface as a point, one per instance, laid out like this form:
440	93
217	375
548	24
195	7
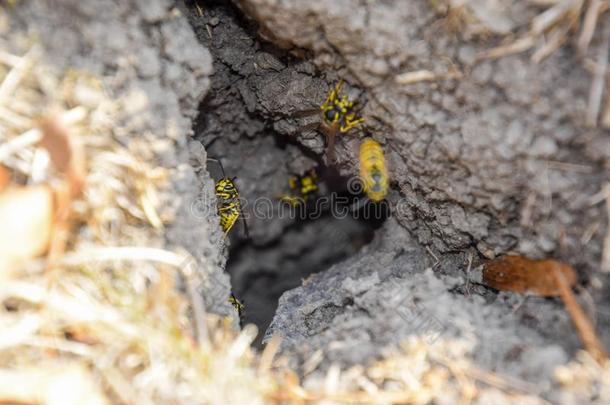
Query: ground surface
137	50
477	159
496	161
235	124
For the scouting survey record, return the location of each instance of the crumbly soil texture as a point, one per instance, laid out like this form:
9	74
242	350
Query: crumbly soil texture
273	251
496	161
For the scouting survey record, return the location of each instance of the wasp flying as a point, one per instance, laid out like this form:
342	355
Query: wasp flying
373	171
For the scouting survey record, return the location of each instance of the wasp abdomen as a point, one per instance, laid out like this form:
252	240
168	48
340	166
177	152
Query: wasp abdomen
373	171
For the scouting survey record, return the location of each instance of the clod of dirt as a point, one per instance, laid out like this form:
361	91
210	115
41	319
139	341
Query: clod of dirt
394	289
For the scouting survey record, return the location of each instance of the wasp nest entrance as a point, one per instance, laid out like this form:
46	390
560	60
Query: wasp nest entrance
301	215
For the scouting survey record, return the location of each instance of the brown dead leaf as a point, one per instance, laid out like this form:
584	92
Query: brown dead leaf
36	218
55	141
547	278
5	177
26	215
80	333
68	156
65	151
61	226
520	274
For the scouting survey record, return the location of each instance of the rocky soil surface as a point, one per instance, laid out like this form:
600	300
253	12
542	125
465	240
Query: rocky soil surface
496	160
150	62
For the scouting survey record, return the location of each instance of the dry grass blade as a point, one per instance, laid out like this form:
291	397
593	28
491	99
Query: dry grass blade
269	353
599	79
555	40
605	264
13	79
554	15
9	59
26	139
518	46
124	253
502	382
606	113
543	3
589	24
198	311
552	28
186	264
425	76
579	318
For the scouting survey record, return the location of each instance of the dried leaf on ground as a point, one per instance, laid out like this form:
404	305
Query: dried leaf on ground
547	278
5	177
521	275
65	151
68	156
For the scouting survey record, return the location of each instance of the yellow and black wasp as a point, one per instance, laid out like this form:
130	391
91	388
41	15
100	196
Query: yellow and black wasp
338	116
373	171
229	205
303	188
239	307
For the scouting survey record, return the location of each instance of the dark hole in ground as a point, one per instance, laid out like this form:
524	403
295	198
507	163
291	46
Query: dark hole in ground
287	244
283	249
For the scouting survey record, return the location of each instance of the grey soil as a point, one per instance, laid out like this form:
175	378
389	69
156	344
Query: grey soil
497	161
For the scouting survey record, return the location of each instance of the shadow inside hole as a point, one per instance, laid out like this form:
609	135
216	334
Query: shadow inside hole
281	252
260	274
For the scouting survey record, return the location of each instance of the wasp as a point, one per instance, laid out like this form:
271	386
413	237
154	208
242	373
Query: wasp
229	205
338	116
373	171
239	307
303	188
